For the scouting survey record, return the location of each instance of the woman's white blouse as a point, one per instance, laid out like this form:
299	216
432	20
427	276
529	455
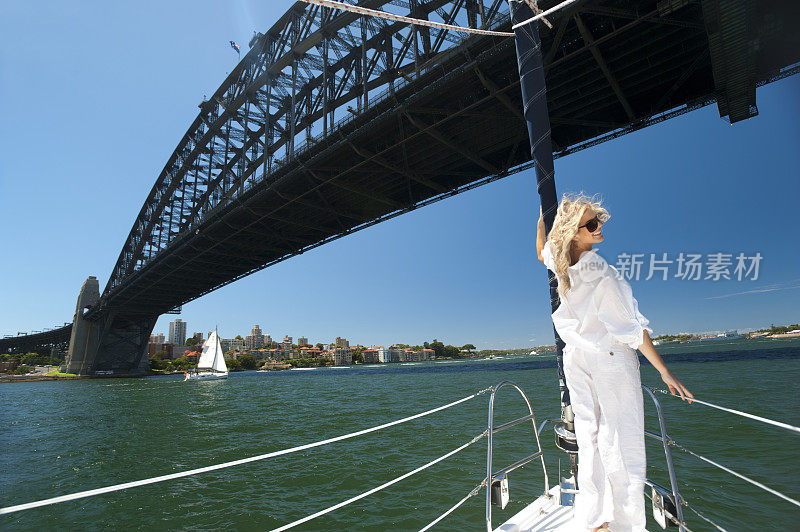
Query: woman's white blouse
600	312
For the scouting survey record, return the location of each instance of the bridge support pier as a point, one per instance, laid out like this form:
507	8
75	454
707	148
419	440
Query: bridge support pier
107	343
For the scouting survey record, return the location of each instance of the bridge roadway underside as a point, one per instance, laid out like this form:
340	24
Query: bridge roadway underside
42	342
611	67
457	123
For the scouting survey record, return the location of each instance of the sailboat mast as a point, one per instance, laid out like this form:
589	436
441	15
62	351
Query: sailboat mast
216	351
537	118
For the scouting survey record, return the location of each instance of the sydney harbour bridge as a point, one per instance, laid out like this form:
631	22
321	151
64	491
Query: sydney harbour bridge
333	122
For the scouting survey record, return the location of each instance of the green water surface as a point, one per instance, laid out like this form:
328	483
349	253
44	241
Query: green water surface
66	436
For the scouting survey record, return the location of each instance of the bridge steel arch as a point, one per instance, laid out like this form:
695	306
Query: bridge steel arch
333	122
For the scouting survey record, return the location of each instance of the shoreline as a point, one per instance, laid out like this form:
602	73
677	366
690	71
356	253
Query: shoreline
721	349
5	379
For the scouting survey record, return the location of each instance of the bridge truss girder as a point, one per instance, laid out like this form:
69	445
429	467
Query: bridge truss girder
254	118
298	147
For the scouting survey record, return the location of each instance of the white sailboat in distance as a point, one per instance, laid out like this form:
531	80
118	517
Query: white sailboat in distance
211	365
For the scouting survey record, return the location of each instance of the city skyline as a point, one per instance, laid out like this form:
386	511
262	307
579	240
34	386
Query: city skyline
157	337
463	270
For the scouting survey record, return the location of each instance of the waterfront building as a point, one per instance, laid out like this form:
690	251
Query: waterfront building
255	339
411	355
278	353
177	332
386	356
231	344
267	340
427	354
341	342
199	337
370	356
308	352
341	356
179	351
287	343
157	338
302	341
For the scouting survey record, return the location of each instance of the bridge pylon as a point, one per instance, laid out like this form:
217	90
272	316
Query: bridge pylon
108	342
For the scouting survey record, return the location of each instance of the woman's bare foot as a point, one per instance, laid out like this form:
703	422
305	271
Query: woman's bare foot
601	528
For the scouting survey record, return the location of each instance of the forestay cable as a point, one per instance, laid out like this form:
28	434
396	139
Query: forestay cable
181	474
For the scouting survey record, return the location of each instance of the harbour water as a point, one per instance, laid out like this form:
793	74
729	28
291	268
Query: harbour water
64	437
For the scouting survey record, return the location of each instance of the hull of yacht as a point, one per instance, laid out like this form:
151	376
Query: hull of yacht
205	376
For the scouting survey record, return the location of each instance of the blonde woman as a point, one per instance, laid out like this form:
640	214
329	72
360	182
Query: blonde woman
600	323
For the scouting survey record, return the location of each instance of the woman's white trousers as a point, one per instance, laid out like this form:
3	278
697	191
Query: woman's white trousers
606	394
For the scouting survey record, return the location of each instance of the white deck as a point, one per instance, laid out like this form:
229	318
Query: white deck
542	515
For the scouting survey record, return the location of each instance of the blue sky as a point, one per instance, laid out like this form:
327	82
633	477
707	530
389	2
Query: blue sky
94	97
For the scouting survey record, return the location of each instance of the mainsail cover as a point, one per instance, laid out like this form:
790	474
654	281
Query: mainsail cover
534	100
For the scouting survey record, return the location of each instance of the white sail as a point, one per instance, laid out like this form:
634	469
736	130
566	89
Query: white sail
210	349
219	358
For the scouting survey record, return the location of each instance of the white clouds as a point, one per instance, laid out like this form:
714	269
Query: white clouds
775	287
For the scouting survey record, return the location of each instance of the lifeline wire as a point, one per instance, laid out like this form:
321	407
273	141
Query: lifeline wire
739	412
472	493
709	521
153	480
409	20
734	473
382	486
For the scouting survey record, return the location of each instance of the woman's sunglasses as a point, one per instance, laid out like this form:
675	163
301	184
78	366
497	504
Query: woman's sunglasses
591	225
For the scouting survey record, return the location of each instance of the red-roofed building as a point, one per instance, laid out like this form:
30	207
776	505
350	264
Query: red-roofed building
371	355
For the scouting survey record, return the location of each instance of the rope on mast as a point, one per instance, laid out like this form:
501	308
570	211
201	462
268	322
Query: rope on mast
542	14
408	20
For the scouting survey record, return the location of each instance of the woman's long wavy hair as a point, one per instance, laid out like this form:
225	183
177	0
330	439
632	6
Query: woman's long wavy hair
563	234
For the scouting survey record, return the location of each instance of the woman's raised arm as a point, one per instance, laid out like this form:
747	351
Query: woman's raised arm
541	237
649	351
